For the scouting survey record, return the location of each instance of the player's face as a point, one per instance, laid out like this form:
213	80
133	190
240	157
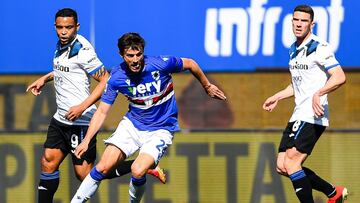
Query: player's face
66	29
134	58
302	24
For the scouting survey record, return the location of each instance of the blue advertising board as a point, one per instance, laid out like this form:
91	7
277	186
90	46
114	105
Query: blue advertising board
223	36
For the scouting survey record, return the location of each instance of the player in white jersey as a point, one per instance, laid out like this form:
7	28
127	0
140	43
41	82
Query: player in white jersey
151	121
74	63
315	72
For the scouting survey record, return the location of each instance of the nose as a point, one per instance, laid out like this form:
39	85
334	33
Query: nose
63	31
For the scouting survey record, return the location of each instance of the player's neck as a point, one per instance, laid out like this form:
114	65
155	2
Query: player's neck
300	40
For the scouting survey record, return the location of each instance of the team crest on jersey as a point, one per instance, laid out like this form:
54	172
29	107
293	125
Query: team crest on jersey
155	75
127	81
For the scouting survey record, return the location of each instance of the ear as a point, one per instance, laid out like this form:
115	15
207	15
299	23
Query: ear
121	55
312	25
77	27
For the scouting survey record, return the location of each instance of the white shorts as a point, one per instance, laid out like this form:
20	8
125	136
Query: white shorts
129	139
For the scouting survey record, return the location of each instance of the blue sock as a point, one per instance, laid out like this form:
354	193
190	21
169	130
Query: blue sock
137	189
96	175
49	182
302	186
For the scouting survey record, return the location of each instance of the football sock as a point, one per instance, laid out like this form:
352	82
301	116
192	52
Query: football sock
88	186
137	189
319	184
302	187
122	169
48	185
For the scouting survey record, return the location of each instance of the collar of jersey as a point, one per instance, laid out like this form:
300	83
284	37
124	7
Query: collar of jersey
305	43
59	48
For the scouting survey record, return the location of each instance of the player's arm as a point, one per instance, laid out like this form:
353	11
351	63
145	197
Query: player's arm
95	124
36	86
211	89
336	79
75	112
271	102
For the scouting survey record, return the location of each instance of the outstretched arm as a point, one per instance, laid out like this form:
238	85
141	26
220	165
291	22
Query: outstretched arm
271	102
211	89
337	78
36	86
95	124
76	111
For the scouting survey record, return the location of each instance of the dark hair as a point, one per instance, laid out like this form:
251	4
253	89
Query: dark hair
67	12
305	9
130	40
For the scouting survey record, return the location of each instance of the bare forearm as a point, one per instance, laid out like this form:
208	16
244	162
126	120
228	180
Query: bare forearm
285	93
101	76
48	77
195	69
95	125
336	80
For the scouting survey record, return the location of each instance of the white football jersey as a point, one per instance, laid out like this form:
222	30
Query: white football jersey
308	66
73	66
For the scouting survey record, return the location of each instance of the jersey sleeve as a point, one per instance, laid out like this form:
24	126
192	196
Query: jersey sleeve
326	57
110	93
173	64
89	60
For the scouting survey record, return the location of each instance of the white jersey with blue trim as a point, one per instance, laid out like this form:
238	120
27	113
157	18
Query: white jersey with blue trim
308	66
73	66
152	104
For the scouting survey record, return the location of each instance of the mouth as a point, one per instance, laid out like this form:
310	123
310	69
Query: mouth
135	67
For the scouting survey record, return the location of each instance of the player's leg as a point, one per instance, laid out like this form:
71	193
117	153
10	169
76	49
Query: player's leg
125	167
138	179
301	183
154	145
301	139
49	177
51	159
280	168
110	158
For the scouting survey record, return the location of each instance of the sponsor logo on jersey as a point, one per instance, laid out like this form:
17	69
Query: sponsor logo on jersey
146	88
299	67
60	67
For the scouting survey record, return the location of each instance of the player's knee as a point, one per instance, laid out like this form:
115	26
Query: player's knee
137	171
281	170
48	165
80	175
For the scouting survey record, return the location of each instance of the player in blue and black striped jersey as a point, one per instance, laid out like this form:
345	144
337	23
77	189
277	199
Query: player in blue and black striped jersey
151	121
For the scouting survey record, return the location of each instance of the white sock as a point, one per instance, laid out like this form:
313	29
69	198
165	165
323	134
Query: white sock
86	190
136	191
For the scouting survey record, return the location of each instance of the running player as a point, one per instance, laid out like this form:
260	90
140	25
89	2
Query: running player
315	72
151	121
74	63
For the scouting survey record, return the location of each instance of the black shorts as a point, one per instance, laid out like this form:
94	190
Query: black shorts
301	135
67	138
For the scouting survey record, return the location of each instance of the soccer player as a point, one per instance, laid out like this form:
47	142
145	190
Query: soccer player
315	73
74	63
151	121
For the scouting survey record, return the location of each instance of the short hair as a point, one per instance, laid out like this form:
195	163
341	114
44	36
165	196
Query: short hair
305	9
131	40
67	12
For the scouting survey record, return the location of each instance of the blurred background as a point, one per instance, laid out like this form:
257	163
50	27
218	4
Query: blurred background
226	151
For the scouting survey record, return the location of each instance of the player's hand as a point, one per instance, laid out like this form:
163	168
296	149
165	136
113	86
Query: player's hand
215	92
270	103
317	107
36	86
81	149
74	112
